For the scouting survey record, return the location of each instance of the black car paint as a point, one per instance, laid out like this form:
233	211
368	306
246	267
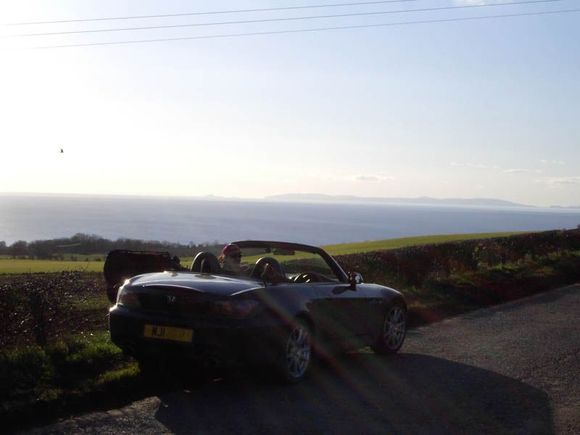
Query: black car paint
340	314
218	285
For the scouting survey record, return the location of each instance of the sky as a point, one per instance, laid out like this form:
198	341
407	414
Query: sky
456	109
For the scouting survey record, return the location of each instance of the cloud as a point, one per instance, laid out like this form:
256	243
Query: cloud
474	166
373	178
516	171
562	181
522	171
552	162
495	168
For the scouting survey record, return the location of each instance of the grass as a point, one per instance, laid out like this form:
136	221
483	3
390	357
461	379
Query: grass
93	263
379	245
70	257
74	374
118	375
75	364
91	303
17	266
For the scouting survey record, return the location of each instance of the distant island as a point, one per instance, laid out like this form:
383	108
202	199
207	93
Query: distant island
304	197
422	200
574	207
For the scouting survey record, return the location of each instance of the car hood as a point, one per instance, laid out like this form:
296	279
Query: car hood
217	285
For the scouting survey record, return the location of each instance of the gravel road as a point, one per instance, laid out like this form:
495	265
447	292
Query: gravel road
514	368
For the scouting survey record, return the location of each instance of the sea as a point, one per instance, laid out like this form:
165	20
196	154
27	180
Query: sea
184	220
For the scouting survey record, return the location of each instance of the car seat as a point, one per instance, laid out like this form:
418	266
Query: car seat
205	262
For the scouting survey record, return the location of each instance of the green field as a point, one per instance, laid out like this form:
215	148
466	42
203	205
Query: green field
8	265
88	264
379	245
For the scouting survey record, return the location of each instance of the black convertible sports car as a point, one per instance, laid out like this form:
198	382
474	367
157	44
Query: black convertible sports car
305	305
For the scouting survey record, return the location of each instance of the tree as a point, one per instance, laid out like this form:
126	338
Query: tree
18	249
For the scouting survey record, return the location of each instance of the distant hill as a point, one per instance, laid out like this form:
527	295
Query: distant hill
423	200
573	207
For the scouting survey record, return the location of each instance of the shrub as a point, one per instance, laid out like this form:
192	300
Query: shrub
79	357
413	266
24	369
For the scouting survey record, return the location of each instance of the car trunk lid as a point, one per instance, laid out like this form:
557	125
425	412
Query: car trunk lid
123	264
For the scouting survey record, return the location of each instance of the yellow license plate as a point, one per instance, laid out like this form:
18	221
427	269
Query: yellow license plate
168	333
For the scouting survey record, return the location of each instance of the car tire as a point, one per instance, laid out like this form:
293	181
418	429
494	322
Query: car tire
296	353
393	330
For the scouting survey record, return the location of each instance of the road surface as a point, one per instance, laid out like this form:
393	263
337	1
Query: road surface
514	368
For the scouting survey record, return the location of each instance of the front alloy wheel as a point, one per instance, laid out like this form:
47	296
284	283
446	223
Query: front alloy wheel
297	353
393	331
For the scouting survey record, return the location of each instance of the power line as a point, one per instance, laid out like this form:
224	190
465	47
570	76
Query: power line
316	29
269	20
235	11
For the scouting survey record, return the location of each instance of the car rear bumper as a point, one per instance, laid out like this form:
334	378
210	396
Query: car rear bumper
219	341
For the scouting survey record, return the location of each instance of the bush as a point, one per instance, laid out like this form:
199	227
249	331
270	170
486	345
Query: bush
414	266
25	372
24	369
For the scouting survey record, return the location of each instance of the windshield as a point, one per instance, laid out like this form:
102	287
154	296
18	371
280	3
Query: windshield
279	264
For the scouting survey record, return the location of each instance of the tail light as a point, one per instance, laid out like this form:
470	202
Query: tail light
239	309
127	298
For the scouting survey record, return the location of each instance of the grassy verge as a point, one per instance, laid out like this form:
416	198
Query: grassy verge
440	298
59	376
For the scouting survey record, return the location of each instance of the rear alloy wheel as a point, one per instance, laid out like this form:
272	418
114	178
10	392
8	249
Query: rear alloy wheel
297	353
393	331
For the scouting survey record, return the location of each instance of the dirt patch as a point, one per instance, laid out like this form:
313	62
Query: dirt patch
38	308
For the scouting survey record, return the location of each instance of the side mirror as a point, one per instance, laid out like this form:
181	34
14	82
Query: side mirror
355	278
